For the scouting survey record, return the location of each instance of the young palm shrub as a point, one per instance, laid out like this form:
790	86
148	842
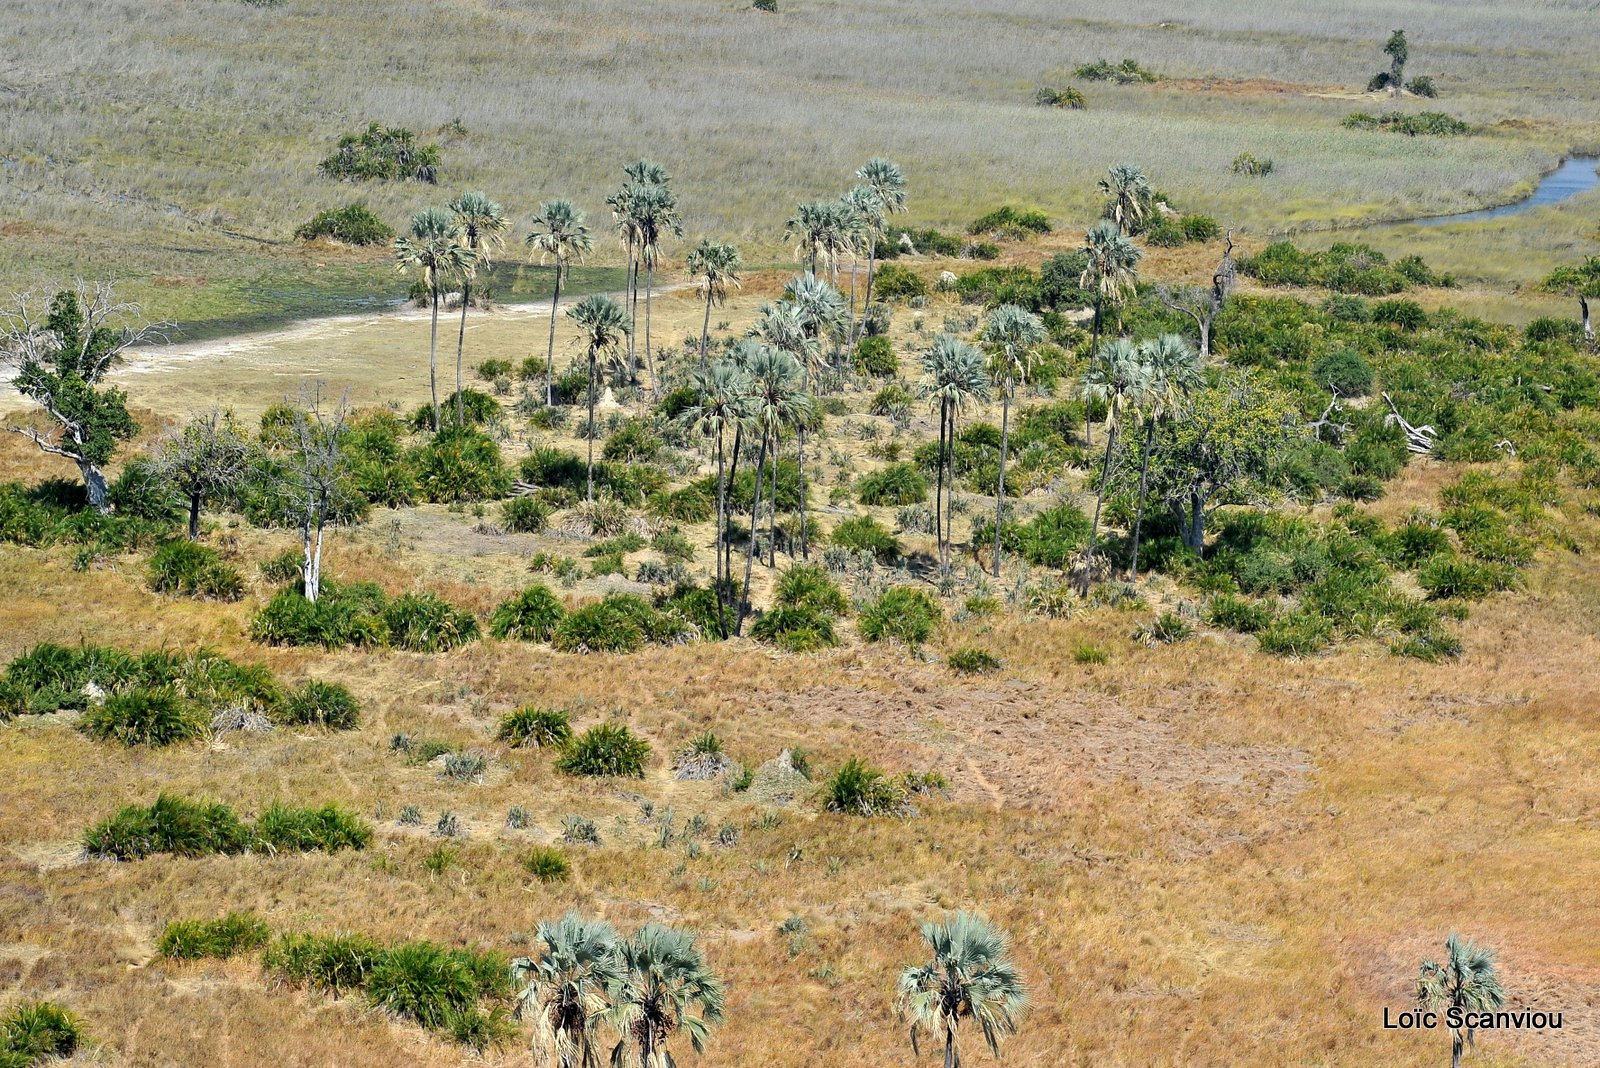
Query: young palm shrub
36	1032
545	728
427	623
237	932
606	749
665	988
808	586
1466	982
971	978
969	660
798	629
286	829
322	704
170	825
530	616
859	789
332	963
564	991
185	567
154	717
422	982
904	613
897	484
525	515
863	533
547	865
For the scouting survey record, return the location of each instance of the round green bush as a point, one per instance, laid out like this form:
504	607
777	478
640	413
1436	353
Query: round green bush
1344	370
972	661
525	515
195	570
154	717
606	749
220	939
808	586
894	486
548	865
461	465
322	704
39	1031
427	623
863	533
904	613
798	629
859	789
530	616
354	224
422	982
546	728
875	356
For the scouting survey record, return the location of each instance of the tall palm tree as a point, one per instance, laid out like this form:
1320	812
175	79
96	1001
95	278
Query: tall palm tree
560	230
789	328
970	978
665	988
602	326
810	228
1111	270
564	990
821	307
1117	377
1172	369
1128	196
860	210
483	226
723	390
714	268
1466	981
1013	333
433	249
655	207
955	376
887	184
777	400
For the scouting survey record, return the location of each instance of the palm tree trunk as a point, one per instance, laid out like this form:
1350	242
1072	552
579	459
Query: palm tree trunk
1456	1045
550	356
649	357
433	359
727	515
1088	405
772	507
854	260
950	494
722	530
705	329
461	347
938	492
750	550
632	298
589	429
866	299
800	458
1099	502
1144	481
1000	491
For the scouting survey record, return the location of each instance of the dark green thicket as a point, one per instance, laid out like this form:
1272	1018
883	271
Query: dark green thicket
606	749
191	829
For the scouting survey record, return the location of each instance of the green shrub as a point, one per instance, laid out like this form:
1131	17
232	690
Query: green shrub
283	568
322	704
895	282
386	153
1168	628
904	613
808	586
1344	268
694	503
1103	70
1065	97
859	789
460	465
547	465
170	825
530	616
619	623
154	717
1295	634
524	515
38	1031
237	932
1236	613
895	485
353	224
187	567
1006	221
972	661
548	865
1088	653
993	286
427	623
286	829
874	355
606	749
546	728
332	963
1448	576
1423	123
1247	164
422	982
633	442
863	533
799	629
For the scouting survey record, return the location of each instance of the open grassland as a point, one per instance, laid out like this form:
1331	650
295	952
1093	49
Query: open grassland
177	145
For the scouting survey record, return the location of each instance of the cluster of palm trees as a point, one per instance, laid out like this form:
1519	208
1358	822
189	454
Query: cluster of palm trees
825	231
655	988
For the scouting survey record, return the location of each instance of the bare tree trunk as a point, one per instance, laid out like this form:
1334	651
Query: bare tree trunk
433	360
1195	534
705	330
866	299
1000	491
94	486
1094	349
722	531
772	506
649	357
854	260
938	492
1144	477
727	516
632	298
800	457
550	356
461	347
1588	324
750	550
589	429
194	516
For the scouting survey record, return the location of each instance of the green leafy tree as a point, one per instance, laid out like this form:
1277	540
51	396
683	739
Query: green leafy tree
318	487
666	989
435	252
1398	51
602	327
971	981
62	353
560	232
1013	334
714	267
564	991
483	225
953	377
1227	449
205	460
1467	981
885	183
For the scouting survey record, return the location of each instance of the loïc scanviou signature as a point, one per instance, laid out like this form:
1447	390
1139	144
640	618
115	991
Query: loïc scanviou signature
1456	1018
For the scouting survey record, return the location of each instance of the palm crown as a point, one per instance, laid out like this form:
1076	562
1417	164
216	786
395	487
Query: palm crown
664	986
565	988
970	978
560	230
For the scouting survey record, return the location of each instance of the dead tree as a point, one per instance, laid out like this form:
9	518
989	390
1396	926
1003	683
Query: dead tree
1203	305
1419	439
1588	324
317	480
1325	420
206	460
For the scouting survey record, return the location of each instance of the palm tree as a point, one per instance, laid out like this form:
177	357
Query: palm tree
1111	270
602	326
435	251
483	225
1014	333
562	231
1128	196
821	307
971	977
860	209
778	399
1467	981
810	228
1172	368
1116	378
887	185
724	391
790	328
714	267
665	987
565	990
655	208
955	376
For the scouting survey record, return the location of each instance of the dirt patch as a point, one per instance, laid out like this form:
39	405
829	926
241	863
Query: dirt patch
1250	87
1019	745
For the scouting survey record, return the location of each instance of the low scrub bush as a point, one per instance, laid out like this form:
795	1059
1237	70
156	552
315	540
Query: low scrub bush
194	570
1422	124
800	629
382	153
427	623
893	486
905	614
545	728
331	963
524	515
809	586
154	717
322	704
424	983
896	282
863	533
1124	73
460	465
288	829
1344	268
548	865
191	829
859	789
235	933
342	616
36	1032
619	623
530	616
1237	613
874	355
606	749
353	224
972	661
1007	221
1447	576
1065	97
1248	164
